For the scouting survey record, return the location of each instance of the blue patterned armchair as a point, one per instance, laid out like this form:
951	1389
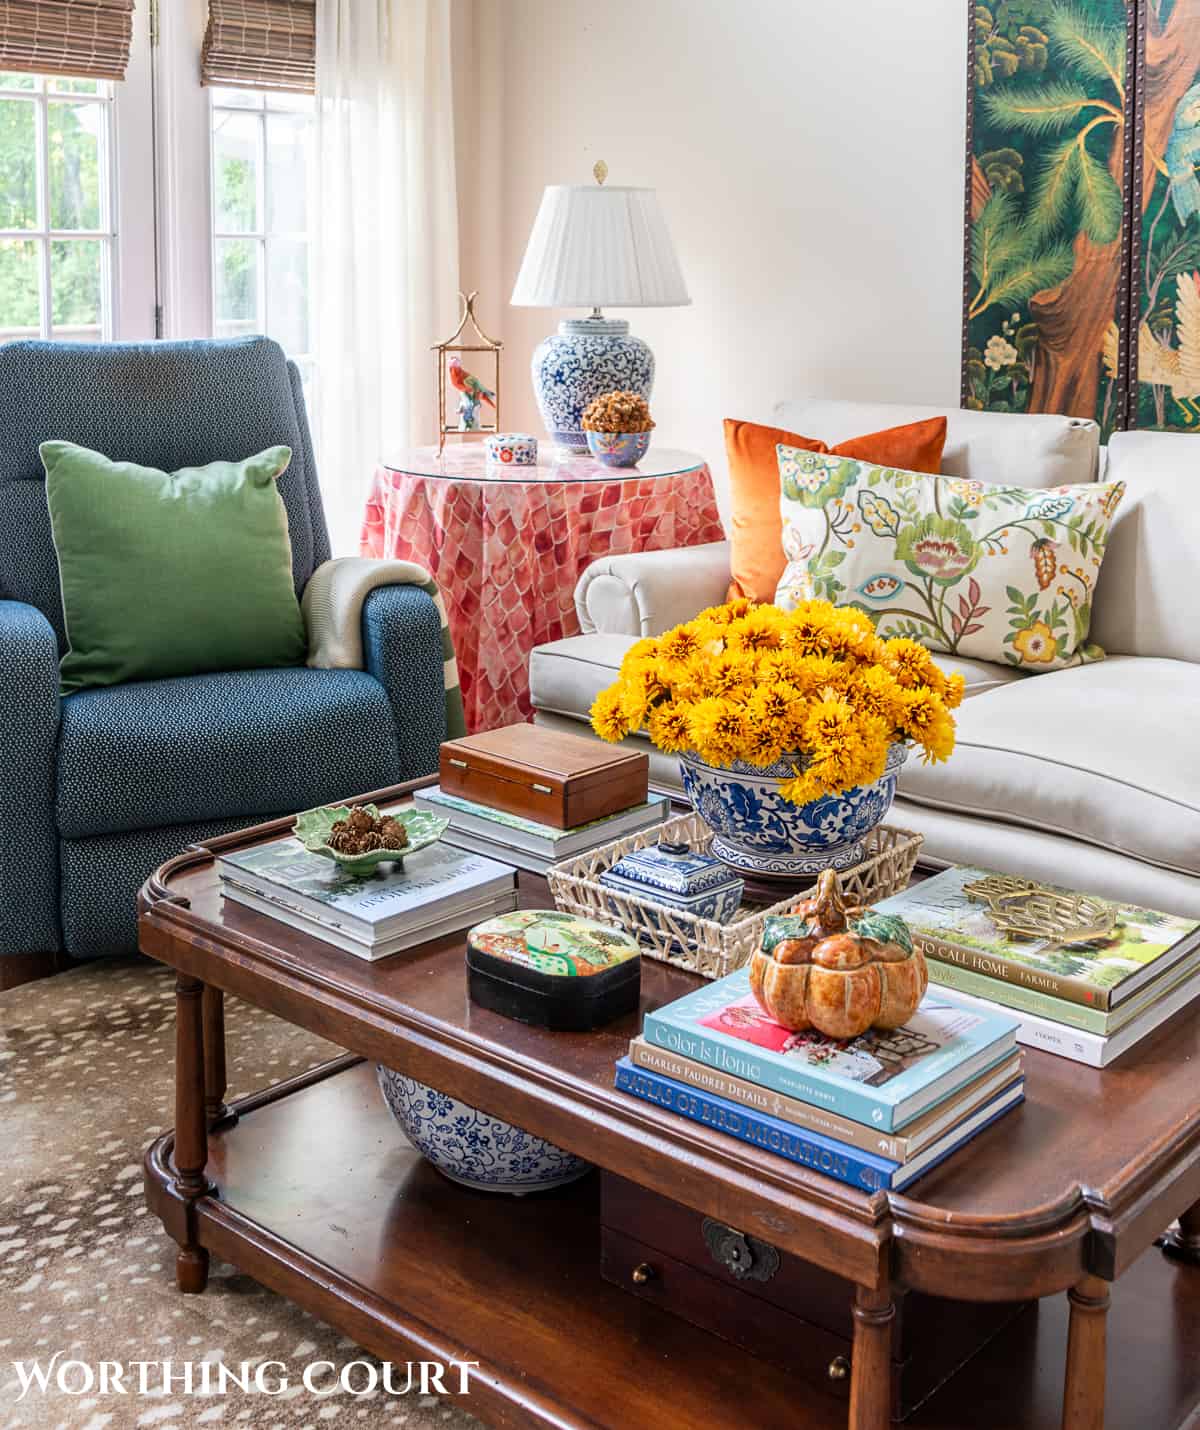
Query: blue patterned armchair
102	786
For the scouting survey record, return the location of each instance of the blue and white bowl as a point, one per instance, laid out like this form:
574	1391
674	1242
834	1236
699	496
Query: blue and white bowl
472	1147
757	831
618	449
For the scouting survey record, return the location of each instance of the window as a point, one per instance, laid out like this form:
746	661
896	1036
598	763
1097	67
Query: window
58	224
261	186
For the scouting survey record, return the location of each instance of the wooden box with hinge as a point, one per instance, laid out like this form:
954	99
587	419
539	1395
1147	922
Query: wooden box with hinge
545	775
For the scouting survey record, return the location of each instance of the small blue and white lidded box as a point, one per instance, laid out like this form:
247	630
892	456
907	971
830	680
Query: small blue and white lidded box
511	449
679	876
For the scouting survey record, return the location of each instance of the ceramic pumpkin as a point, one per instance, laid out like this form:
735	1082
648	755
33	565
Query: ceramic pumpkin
837	969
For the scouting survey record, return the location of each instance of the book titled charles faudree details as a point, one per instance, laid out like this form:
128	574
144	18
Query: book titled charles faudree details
1087	977
435	891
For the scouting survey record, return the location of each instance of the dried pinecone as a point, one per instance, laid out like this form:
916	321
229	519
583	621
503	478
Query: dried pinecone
361	833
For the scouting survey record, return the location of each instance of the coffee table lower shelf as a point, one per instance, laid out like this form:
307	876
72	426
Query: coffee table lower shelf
318	1197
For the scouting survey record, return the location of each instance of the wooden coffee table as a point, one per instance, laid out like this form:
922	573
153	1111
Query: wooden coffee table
309	1188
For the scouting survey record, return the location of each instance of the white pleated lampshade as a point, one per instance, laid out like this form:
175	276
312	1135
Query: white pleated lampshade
598	247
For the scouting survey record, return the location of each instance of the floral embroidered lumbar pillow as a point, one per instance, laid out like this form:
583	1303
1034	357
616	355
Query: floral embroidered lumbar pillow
996	573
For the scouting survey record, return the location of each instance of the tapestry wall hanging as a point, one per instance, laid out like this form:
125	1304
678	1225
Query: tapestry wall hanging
1082	262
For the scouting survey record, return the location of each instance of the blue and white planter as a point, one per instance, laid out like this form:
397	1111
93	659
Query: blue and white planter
584	359
472	1147
757	831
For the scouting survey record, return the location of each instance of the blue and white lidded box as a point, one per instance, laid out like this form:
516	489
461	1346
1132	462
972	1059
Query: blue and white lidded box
511	449
679	876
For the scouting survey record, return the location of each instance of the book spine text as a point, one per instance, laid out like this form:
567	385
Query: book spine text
1054	985
1017	997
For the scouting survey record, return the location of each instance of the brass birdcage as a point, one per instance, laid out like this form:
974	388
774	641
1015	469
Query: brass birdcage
453	345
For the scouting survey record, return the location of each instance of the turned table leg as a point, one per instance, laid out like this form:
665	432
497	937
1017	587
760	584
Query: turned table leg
191	1135
871	1360
1183	1244
1083	1393
214	1054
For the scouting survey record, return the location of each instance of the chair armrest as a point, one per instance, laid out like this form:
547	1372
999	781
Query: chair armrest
648	592
29	710
404	648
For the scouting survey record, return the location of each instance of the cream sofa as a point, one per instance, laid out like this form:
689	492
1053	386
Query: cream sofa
1088	777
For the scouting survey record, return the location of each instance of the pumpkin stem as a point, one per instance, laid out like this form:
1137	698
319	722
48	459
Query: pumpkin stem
831	910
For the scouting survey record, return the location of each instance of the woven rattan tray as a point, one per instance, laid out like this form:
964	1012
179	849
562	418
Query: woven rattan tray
702	945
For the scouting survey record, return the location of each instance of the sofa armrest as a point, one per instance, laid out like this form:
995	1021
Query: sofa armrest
29	710
648	592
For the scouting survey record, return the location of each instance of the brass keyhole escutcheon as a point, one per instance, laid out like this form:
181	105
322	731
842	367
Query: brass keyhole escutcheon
642	1273
839	1368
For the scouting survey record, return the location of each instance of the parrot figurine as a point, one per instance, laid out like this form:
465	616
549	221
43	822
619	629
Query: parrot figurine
468	384
1183	153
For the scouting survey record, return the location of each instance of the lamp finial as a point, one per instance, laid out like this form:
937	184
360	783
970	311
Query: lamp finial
600	171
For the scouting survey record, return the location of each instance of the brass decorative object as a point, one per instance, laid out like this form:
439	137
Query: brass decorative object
471	393
1024	909
599	171
741	1255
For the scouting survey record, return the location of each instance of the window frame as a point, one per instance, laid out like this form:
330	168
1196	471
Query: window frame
43	234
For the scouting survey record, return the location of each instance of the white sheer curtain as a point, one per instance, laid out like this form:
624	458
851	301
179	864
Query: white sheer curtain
386	237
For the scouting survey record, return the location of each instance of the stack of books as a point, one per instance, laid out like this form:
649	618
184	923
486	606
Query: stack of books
524	842
876	1112
437	890
1086	977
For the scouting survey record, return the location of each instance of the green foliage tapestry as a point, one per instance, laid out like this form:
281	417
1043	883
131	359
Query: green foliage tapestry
1047	205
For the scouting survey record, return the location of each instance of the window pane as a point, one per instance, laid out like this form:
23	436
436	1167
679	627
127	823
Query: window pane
284	99
18	164
237	98
20	314
287	293
235	172
9	80
236	295
76	288
74	133
288	140
78	86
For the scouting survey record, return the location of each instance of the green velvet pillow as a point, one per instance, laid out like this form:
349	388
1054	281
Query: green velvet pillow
171	573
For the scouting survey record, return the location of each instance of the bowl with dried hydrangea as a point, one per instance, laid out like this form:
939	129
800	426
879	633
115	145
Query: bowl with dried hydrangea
618	428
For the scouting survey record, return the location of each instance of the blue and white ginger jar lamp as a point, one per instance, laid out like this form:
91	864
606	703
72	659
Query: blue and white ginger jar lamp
594	246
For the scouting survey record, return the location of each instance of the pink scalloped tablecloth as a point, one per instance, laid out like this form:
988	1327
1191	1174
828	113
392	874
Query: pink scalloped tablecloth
507	547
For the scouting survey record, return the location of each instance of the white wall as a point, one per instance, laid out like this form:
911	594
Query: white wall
808	156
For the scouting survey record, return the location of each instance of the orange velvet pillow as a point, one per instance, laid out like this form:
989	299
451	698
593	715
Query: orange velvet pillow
757	558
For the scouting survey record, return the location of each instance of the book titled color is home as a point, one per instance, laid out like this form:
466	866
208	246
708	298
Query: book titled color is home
884	1078
1079	948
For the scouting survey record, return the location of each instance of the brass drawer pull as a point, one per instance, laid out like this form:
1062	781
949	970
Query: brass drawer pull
839	1368
642	1273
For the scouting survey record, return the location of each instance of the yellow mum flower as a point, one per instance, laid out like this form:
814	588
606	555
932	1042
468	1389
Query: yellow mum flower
668	726
731	611
876	691
956	688
925	719
761	629
608	720
717	729
911	663
803	787
679	644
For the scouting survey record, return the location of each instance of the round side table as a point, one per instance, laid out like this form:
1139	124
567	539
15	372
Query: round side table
508	544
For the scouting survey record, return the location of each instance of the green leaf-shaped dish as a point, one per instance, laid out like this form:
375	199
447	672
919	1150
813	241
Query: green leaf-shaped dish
314	825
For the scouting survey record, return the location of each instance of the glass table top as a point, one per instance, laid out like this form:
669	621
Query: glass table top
467	462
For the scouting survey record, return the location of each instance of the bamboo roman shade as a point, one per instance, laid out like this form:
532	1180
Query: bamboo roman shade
260	44
85	38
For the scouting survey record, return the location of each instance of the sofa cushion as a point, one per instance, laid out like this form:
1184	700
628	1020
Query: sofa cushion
206	747
1145	597
756	554
994	573
566	676
1026	450
1095	753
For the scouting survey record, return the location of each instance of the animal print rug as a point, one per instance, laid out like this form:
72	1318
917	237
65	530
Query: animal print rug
85	1269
